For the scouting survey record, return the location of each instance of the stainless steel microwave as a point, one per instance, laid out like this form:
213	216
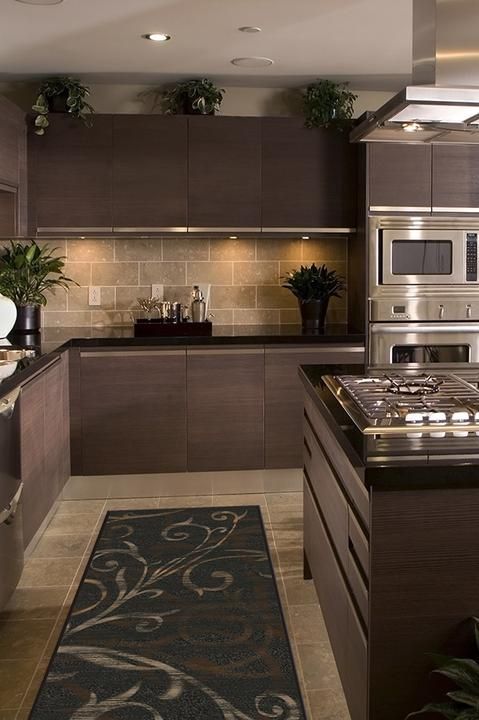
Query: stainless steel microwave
419	256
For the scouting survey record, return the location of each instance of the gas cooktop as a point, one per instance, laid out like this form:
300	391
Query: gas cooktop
415	406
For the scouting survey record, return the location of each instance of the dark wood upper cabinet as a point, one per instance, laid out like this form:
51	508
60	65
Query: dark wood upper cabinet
309	176
455	177
224	172
71	176
13	170
149	172
399	177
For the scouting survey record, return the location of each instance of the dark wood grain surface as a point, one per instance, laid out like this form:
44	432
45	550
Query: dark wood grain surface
399	175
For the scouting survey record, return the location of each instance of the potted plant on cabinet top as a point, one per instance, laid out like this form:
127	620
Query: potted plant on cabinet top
192	97
313	286
328	104
61	94
26	273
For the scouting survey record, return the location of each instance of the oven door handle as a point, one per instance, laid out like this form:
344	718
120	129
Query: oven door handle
7	515
420	328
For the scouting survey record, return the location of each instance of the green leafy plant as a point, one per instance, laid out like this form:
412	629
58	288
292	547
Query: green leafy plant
462	703
192	97
27	271
57	88
314	283
328	104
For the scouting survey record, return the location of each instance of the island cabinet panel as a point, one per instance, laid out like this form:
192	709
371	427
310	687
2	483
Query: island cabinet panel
71	176
149	172
399	177
309	176
224	172
133	411
284	397
455	178
225	408
44	442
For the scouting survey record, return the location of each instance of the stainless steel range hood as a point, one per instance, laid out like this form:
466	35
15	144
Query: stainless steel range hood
442	104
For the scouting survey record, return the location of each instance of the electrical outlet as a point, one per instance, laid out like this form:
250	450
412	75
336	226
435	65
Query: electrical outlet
158	292
94	295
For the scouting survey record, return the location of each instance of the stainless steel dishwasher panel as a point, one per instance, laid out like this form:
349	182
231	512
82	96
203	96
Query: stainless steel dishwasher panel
11	522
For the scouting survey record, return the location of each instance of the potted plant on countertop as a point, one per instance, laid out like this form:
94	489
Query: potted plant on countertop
328	104
463	702
192	97
61	94
27	272
313	286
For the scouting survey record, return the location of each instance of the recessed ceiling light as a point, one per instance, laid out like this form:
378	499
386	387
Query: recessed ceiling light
157	37
305	237
233	237
40	2
252	62
249	29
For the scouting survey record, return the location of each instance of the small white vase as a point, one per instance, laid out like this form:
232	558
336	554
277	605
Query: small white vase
8	315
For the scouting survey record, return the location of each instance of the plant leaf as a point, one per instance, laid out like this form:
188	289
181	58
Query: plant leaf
463	671
466	698
448	710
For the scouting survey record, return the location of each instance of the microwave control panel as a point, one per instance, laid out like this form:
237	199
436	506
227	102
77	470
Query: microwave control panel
471	257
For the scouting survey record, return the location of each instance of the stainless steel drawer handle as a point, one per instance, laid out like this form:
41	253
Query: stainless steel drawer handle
7	515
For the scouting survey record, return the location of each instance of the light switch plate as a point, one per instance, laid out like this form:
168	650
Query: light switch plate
94	295
158	292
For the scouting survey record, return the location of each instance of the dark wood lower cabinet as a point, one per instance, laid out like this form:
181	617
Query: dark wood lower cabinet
284	397
405	588
45	445
133	411
225	408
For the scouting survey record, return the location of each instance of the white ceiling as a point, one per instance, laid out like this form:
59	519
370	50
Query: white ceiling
367	42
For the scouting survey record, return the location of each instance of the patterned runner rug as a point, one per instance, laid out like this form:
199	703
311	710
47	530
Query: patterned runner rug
177	618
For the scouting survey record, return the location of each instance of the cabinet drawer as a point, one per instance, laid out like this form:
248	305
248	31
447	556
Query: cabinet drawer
327	578
359	544
358	589
355	680
331	500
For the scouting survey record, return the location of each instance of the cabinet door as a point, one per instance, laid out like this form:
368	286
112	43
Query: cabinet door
224	166
399	177
13	162
71	176
133	411
225	409
284	398
309	176
54	428
149	172
455	178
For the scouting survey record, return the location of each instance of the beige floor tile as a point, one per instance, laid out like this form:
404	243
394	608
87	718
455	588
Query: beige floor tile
328	705
15	676
11	715
66	524
247	499
300	592
86	488
286	499
32	692
319	668
62	546
131	504
285	536
49	572
39	603
24	639
183	501
73	507
308	624
291	562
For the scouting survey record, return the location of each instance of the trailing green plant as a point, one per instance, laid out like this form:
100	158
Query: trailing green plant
192	97
75	95
27	271
314	283
328	104
463	702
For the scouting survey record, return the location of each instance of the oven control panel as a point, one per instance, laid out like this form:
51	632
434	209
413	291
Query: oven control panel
471	257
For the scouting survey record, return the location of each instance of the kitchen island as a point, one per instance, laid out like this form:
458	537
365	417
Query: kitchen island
391	540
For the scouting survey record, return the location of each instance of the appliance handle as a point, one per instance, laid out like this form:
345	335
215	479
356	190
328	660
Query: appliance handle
419	328
7	515
7	403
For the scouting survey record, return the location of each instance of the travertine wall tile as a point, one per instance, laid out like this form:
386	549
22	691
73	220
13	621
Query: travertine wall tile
127	297
138	249
236	296
279	249
256	273
180	248
214	272
78	271
66	319
231	249
275	296
90	250
323	250
78	299
162	273
114	273
256	317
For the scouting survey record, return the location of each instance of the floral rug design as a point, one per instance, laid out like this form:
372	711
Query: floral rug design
177	618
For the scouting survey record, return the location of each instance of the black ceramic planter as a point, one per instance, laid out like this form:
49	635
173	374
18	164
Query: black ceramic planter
28	319
313	314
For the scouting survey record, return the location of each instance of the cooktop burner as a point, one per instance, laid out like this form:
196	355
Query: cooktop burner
393	404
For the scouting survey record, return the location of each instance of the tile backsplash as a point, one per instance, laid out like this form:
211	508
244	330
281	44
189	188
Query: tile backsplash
245	277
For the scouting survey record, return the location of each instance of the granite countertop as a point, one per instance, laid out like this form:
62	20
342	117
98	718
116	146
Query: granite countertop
394	461
52	341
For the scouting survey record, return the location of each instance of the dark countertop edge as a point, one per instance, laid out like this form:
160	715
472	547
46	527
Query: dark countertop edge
35	368
441	473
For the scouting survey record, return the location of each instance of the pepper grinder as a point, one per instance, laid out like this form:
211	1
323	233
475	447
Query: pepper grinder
198	305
